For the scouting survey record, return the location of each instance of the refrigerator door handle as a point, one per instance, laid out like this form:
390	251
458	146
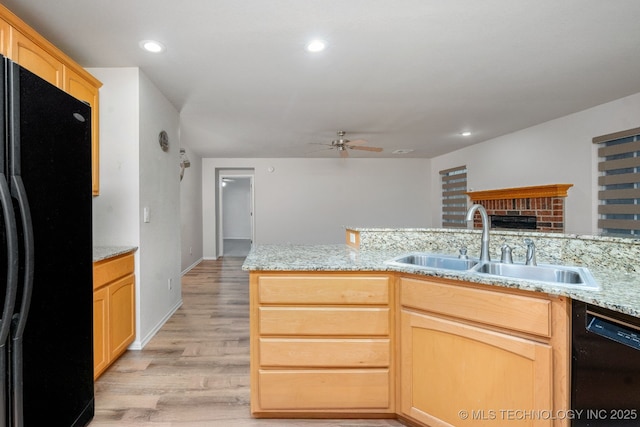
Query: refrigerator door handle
11	235
19	193
20	316
12	258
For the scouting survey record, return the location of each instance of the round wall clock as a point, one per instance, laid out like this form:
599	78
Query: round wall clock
163	139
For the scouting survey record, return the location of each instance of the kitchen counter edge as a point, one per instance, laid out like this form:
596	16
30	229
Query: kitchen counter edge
101	253
619	291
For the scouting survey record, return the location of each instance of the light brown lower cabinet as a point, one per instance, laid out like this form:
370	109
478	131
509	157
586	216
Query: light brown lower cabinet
473	355
430	351
113	310
321	344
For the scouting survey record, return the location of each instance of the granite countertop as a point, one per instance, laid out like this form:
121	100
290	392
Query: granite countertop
104	252
620	291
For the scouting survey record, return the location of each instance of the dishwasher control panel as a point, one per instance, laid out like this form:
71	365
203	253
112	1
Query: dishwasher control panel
619	332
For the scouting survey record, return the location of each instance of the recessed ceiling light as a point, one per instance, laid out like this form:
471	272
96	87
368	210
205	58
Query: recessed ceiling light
152	46
465	133
316	45
402	151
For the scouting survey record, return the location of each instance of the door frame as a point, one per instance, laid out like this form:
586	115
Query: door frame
220	210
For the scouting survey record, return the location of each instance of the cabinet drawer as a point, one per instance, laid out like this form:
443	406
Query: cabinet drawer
323	321
515	312
327	353
322	389
323	290
111	269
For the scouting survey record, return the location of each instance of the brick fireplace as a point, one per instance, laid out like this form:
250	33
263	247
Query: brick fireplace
539	208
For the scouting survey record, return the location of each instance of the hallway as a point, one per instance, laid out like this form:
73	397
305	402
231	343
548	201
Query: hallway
195	371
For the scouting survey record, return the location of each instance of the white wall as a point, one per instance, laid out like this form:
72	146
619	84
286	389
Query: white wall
160	193
556	152
115	210
309	201
191	213
134	173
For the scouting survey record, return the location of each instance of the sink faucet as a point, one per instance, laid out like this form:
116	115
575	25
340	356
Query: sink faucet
530	258
506	257
484	246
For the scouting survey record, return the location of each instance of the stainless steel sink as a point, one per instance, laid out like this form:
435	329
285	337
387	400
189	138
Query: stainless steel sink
577	277
434	261
557	275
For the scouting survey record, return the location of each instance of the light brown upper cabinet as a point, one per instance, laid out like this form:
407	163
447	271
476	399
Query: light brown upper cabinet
77	86
24	45
35	59
4	37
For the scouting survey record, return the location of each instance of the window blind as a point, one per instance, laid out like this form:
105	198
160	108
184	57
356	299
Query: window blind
454	197
619	182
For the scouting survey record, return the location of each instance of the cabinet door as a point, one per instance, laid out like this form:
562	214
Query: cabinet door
100	334
490	374
121	315
79	88
5	29
35	59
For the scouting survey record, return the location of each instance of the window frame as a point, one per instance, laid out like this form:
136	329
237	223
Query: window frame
619	183
453	185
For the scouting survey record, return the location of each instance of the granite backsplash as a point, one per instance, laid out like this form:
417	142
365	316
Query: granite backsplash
613	253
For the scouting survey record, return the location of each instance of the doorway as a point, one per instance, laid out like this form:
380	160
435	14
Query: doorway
235	214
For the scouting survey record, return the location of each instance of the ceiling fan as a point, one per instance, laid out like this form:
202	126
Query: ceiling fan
342	145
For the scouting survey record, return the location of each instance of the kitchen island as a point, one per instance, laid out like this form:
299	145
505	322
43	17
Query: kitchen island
338	332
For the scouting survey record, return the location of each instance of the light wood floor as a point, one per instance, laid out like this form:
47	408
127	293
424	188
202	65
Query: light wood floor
236	247
195	371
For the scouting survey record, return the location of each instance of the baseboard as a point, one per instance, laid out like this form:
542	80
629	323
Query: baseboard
186	270
139	345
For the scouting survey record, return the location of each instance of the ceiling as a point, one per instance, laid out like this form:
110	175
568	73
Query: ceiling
401	74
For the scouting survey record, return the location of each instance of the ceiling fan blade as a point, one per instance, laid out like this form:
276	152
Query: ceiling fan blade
357	142
344	153
376	149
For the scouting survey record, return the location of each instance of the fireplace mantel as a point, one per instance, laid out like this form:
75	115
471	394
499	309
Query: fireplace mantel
545	202
551	190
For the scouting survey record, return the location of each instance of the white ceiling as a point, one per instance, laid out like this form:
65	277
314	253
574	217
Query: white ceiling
399	73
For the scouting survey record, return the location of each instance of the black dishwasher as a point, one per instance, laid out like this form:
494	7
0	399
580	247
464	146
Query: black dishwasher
605	367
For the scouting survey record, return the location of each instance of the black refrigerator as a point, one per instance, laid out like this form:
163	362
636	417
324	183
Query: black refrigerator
46	329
